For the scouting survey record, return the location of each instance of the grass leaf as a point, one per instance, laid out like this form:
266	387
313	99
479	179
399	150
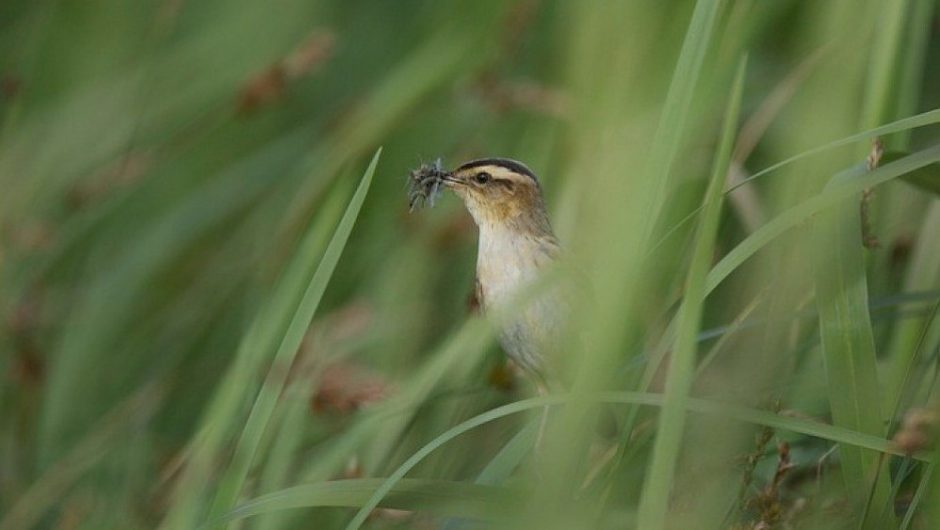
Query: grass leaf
232	482
903	125
852	181
439	497
704	406
668	137
655	498
261	412
848	342
926	178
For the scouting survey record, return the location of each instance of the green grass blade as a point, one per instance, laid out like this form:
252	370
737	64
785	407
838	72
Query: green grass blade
922	487
289	426
504	463
106	312
228	406
655	498
926	178
264	405
848	343
852	181
882	67
920	120
107	434
931	502
909	336
703	406
668	137
509	457
912	61
430	447
439	497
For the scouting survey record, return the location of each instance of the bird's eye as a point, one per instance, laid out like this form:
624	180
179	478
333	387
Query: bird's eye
482	178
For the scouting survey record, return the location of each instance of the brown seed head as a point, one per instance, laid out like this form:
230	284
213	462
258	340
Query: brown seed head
917	432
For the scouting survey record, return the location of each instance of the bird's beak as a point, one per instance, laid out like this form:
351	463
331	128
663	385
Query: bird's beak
451	181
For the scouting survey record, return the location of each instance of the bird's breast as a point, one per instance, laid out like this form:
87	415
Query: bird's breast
506	264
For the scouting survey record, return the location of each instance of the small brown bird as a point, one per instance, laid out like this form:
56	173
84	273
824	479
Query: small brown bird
516	244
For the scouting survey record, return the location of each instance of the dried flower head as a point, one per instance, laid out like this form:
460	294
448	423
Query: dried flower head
917	432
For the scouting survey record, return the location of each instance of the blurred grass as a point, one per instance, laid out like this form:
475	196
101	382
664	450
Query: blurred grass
654	504
173	171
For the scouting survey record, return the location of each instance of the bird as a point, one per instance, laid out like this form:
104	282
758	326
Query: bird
516	246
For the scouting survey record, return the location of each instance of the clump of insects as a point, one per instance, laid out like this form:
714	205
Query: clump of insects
424	184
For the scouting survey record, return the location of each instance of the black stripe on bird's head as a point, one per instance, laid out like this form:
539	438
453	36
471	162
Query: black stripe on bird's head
507	164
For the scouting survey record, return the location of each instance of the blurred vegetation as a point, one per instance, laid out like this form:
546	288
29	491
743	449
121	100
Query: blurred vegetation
217	312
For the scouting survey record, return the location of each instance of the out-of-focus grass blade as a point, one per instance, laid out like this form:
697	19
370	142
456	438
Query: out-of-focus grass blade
289	425
107	434
503	464
926	178
231	483
704	406
111	301
912	61
382	424
922	487
474	335
920	120
654	501
459	499
848	343
932	502
882	70
509	457
858	180
678	101
909	337
229	403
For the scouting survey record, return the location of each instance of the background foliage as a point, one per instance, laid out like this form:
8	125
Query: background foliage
218	313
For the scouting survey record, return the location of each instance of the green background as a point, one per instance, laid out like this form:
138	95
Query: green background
179	178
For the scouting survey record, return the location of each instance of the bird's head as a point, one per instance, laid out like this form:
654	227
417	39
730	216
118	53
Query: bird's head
500	193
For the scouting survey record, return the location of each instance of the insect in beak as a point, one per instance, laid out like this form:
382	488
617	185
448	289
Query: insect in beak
425	183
